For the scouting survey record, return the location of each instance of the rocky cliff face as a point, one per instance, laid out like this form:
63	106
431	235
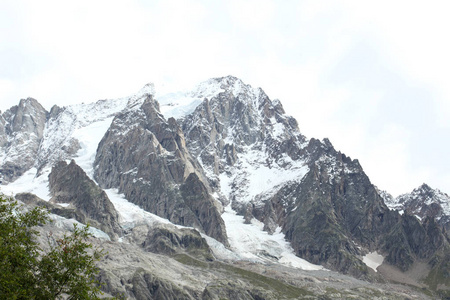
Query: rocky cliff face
69	184
21	131
425	201
146	157
236	119
325	204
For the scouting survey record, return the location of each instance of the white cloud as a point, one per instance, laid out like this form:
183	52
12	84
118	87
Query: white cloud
251	15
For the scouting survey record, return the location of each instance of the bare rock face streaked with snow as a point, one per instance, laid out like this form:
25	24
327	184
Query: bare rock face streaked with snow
146	158
256	157
69	184
245	142
21	131
257	160
236	119
423	202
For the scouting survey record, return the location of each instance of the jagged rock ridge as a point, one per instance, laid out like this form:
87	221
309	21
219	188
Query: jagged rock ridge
21	131
146	157
69	184
328	209
423	202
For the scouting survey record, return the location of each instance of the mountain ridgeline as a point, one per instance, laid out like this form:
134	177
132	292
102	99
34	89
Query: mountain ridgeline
237	150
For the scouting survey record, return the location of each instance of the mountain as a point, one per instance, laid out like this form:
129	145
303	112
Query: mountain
423	202
214	175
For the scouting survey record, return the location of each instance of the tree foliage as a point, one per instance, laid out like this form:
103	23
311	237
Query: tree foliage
66	269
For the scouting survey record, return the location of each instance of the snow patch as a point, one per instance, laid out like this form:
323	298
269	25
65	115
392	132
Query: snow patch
373	260
68	224
252	176
89	137
131	215
178	105
29	182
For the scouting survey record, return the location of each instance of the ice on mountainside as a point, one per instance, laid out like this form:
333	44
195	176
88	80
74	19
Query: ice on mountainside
251	176
29	183
373	260
74	131
252	243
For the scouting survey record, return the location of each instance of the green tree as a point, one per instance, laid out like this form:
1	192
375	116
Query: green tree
65	270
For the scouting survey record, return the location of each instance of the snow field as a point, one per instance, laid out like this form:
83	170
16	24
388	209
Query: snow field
373	260
252	243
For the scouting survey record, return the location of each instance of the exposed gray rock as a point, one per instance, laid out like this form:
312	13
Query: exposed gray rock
226	289
425	201
146	285
169	240
21	131
66	212
238	117
332	216
68	183
197	198
145	156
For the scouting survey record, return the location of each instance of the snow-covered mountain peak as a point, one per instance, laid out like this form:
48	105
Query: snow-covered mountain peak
182	103
424	201
148	89
425	194
214	86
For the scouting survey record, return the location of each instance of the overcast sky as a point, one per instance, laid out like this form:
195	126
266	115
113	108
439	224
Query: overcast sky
372	76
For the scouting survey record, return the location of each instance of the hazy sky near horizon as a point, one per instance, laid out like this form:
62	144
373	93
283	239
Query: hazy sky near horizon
372	76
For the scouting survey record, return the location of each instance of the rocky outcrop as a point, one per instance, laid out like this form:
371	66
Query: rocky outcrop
198	199
65	212
21	131
425	201
146	157
170	240
233	119
68	183
410	240
146	285
338	216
